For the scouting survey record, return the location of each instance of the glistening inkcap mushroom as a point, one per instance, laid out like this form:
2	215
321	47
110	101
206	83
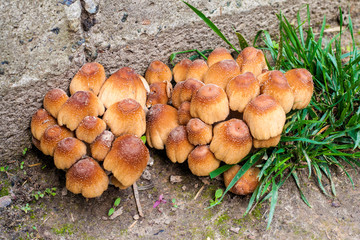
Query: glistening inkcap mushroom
68	151
180	70
218	55
40	121
183	91
53	101
199	133
52	135
202	161
102	145
158	72
177	145
246	184
89	128
221	73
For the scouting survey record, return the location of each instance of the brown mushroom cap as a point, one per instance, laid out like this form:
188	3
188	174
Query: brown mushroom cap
251	60
87	177
241	90
127	159
180	70
160	120
199	133
183	91
210	104
102	145
68	151
184	113
246	184
90	77
78	106
265	117
177	145
52	135
202	161
232	141
126	116
89	128
40	121
197	70
218	55
222	72
302	85
271	142
158	72
53	101
160	92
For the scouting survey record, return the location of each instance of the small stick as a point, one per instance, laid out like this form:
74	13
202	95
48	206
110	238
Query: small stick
132	225
35	164
198	193
136	195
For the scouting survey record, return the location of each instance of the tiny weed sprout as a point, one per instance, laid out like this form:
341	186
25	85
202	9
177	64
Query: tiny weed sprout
218	193
174	203
4	169
143	138
22	165
26	208
24	151
39	194
112	210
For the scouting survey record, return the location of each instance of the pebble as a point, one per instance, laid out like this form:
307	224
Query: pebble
136	217
235	229
64	191
146	175
183	188
5	201
175	179
335	204
91	6
150	162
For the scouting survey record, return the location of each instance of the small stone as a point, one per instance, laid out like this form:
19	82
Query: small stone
167	221
124	18
136	217
146	22
146	175
5	201
104	218
183	188
335	204
91	6
196	185
64	191
175	179
235	229
150	162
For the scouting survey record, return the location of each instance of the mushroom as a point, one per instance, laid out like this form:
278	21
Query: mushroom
180	70
127	159
90	77
53	101
199	133
68	151
145	83
89	128
246	184
52	135
102	145
271	142
158	72
183	91
160	92
40	121
222	72
184	113
302	85
197	70
202	161
210	104
126	116
87	177
218	55
232	141
251	60
177	145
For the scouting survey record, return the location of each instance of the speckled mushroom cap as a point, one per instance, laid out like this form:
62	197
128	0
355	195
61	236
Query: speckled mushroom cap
271	142
102	145
160	120
180	70
222	72
87	177
40	121
184	113
127	159
158	72
251	60
68	151
302	85
241	90
218	55
89	128
122	84
232	141
53	101
197	70
52	135
265	117
177	145
210	104
90	77
78	106
246	184
199	133
160	92
202	161
183	91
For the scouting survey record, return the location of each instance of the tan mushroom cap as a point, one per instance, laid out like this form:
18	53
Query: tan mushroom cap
232	141
197	70
90	77
218	55
184	113
39	122
241	90
180	70
246	184
122	84
183	91
158	72
53	101
202	161
251	60
177	145
302	85
78	106
87	177
68	151
271	142
160	120
199	133
127	159
222	72
210	104
52	135
160	92
102	145
265	117
35	142
126	117
89	128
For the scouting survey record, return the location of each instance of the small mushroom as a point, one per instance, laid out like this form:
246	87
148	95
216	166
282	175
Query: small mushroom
89	128
251	60
202	161
180	70
221	73
39	122
102	145
218	55
246	184
53	101
199	133
183	91
158	72
197	70
177	145
271	142
184	113
52	135
160	92
68	151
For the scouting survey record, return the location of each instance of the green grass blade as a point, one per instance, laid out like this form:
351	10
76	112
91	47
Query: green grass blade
242	42
220	170
296	178
308	160
274	197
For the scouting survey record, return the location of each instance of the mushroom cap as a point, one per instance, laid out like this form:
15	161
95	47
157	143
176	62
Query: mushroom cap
102	145
251	60
180	70
145	83
87	177
241	90
199	133
89	128
35	142
158	72
271	142
177	145
265	117
53	101
197	70
160	92
183	91
78	106
302	85
222	72
90	77
246	184
160	120
127	159
124	83
184	113
232	141
40	121
202	161
68	151
126	117
277	86
210	104
52	135
218	55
